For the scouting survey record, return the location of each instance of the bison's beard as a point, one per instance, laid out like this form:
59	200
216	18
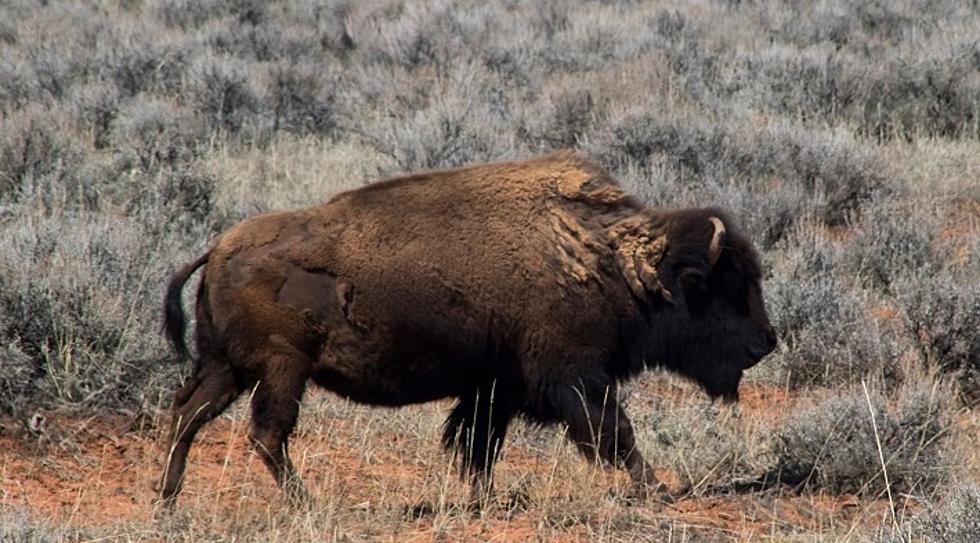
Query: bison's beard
711	354
718	380
715	372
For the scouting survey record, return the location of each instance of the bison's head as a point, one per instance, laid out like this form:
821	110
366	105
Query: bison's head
714	324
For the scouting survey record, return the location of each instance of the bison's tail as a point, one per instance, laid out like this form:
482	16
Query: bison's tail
173	314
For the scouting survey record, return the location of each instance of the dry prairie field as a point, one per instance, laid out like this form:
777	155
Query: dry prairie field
844	136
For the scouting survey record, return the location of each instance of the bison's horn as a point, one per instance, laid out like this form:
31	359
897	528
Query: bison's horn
717	240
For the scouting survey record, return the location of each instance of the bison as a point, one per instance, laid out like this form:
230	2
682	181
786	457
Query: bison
526	288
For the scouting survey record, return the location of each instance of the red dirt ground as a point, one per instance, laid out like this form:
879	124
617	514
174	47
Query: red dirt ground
101	471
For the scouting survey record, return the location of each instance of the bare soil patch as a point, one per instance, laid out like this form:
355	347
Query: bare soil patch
99	473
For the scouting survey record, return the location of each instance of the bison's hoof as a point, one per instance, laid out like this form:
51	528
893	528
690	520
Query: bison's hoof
642	492
164	510
420	510
300	500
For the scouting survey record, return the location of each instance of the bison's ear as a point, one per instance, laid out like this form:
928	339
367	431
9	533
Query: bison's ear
639	248
717	240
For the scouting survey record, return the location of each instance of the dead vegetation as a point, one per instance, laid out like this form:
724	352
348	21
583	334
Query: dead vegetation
844	135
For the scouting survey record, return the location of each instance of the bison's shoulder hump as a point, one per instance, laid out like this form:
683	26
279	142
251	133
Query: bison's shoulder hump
563	174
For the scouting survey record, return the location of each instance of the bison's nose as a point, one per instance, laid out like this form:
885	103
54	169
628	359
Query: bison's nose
758	349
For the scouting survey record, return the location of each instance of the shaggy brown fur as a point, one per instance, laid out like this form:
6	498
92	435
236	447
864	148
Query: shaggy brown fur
526	288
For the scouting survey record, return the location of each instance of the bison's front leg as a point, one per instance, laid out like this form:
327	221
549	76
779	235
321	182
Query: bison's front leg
598	426
476	429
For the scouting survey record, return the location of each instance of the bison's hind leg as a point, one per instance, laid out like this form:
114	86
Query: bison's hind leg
209	391
475	429
275	409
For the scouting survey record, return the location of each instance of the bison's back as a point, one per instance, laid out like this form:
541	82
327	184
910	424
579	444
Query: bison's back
505	238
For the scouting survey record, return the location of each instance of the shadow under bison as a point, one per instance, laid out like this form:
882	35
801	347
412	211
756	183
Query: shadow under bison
521	288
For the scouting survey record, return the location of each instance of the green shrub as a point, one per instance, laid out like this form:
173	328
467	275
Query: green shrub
955	519
139	61
828	335
942	315
17	85
833	445
153	134
80	297
180	199
894	241
824	174
17	375
38	154
222	93
727	452
18	526
96	107
301	100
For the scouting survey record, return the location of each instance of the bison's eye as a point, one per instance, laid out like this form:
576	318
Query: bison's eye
693	280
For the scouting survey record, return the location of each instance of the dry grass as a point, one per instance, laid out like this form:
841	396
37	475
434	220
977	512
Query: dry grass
378	474
289	172
844	135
